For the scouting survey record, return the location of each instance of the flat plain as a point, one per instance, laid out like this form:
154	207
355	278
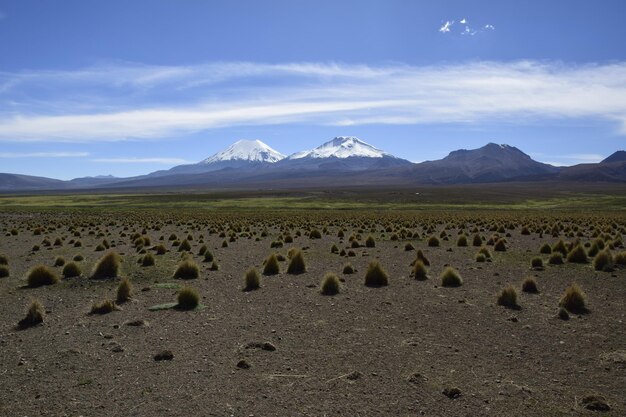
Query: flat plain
412	347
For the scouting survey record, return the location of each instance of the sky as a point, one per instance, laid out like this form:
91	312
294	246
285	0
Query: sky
125	88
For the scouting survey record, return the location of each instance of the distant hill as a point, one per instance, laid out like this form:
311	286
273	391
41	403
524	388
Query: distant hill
619	156
344	161
491	163
17	182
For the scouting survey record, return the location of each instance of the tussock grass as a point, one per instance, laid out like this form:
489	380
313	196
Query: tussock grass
34	316
603	261
187	298
71	270
252	280
508	298
420	272
271	265
450	277
376	276
297	265
41	275
574	300
107	267
530	286
330	284
103	307
124	291
187	269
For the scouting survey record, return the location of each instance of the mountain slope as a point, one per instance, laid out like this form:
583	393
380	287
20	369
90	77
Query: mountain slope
491	163
343	153
243	154
619	156
17	182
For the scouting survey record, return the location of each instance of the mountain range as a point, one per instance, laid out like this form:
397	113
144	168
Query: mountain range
341	162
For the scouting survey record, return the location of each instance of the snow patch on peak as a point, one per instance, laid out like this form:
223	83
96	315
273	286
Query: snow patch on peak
246	150
342	147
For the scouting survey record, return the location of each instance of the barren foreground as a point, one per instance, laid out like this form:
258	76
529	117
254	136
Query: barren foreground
409	348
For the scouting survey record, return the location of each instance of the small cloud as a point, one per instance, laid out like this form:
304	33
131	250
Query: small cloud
464	29
164	161
446	26
43	154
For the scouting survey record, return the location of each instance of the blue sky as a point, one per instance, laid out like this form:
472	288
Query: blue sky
125	88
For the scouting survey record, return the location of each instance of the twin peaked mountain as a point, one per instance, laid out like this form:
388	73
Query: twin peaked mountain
342	162
341	153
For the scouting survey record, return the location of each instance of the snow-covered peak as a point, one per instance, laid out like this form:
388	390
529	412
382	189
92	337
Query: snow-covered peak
246	150
342	147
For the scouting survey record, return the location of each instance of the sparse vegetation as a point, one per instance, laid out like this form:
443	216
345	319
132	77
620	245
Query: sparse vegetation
450	277
271	266
124	291
187	269
530	286
103	307
71	270
508	297
297	264
34	316
107	267
187	299
603	261
330	284
376	276
41	275
420	272
252	280
574	300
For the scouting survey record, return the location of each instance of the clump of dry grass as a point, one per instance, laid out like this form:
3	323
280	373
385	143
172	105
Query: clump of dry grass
187	269
530	286
188	298
577	255
330	284
252	280
148	260
508	298
4	271
41	275
124	291
4	260
376	276
71	270
574	300
556	259
297	265
450	277
34	316
104	307
348	269
107	267
59	261
420	272
500	246
603	261
370	242
271	267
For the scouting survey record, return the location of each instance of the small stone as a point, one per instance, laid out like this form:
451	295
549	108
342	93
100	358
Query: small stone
353	376
595	403
243	364
165	355
452	392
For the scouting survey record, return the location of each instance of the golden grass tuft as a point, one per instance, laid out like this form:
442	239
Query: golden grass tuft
376	276
41	275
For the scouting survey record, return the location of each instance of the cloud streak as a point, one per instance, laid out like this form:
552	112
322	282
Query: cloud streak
113	103
164	161
11	155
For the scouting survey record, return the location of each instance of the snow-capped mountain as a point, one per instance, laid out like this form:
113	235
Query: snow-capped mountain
246	150
242	155
342	147
343	153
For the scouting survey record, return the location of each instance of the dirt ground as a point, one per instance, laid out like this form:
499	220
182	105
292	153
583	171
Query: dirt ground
388	351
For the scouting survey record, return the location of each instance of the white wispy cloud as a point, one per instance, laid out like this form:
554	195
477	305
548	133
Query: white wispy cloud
164	161
445	28
568	159
43	154
158	102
